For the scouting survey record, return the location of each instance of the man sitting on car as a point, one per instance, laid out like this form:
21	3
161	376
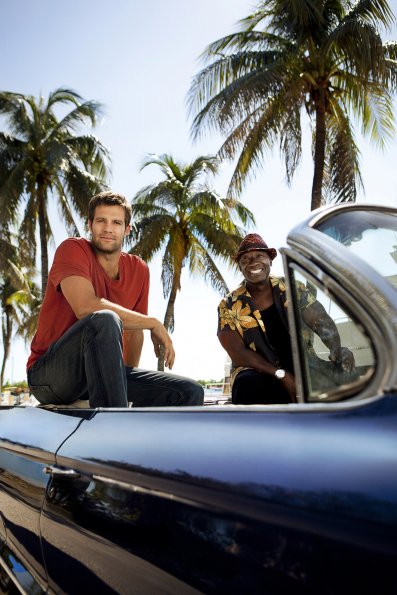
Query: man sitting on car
90	331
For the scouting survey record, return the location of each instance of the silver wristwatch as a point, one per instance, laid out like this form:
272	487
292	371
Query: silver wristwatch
280	373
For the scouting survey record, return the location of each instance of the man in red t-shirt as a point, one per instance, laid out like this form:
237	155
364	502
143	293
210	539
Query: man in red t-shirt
90	332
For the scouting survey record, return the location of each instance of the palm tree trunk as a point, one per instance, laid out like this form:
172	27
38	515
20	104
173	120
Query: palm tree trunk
168	319
319	152
43	239
6	328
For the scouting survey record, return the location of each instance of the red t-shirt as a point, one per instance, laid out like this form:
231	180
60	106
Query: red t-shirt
76	256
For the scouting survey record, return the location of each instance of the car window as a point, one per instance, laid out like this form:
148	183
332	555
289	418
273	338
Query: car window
370	235
325	380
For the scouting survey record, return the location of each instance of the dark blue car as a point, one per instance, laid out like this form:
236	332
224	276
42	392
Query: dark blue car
278	499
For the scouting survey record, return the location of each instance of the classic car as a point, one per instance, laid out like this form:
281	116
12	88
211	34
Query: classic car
297	498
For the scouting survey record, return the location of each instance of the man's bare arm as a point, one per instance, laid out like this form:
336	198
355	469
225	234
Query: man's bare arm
133	342
317	318
80	294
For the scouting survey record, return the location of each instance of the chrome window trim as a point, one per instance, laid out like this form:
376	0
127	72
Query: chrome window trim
323	214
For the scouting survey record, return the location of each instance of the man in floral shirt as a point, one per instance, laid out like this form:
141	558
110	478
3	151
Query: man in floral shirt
253	329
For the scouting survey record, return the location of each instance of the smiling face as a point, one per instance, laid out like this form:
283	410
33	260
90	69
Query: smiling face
108	228
255	266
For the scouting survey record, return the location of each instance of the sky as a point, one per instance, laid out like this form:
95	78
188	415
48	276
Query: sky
138	58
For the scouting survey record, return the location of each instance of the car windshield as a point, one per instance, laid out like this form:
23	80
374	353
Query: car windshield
369	234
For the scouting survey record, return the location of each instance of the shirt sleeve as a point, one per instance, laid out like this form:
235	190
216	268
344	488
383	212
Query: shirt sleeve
70	259
224	317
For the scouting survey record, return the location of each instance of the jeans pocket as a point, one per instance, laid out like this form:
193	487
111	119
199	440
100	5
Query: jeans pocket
44	394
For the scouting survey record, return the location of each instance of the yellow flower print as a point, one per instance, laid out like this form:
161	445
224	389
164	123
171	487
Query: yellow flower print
237	292
238	318
282	286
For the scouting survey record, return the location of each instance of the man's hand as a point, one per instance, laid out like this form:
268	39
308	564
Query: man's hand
344	357
288	383
160	337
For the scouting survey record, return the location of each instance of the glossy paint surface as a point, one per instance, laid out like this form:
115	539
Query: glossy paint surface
29	439
197	505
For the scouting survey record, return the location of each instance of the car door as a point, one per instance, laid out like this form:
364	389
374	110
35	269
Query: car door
29	438
280	499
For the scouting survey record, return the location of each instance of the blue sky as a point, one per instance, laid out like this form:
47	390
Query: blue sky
138	58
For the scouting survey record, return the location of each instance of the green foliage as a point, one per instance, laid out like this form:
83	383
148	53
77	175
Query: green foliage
210	381
322	58
188	222
19	300
20	384
41	156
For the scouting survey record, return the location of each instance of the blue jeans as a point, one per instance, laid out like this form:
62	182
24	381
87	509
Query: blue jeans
87	363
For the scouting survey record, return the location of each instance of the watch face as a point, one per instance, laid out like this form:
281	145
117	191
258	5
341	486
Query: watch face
280	374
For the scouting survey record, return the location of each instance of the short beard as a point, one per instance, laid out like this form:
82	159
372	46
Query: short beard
104	250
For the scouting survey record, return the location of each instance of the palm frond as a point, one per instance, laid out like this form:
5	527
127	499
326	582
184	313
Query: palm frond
230	89
175	252
63	95
378	121
343	173
65	209
88	111
80	186
148	235
373	12
200	258
92	153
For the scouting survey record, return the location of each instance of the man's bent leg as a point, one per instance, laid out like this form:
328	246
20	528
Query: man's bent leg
158	389
85	361
251	387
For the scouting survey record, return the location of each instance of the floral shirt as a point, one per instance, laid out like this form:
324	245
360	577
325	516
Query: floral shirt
237	312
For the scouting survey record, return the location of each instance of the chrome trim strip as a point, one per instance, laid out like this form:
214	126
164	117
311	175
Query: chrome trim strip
12	577
324	213
145	491
60	472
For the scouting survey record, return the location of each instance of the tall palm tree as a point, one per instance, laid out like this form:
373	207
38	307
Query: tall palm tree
324	58
12	306
19	301
189	222
42	158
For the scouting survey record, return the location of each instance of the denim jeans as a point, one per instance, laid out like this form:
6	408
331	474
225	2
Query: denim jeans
87	363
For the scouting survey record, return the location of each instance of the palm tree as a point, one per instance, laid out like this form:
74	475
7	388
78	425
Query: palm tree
322	57
190	222
12	303
19	302
42	157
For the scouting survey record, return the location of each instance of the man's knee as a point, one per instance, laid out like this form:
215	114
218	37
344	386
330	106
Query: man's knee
255	388
245	389
194	393
106	321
